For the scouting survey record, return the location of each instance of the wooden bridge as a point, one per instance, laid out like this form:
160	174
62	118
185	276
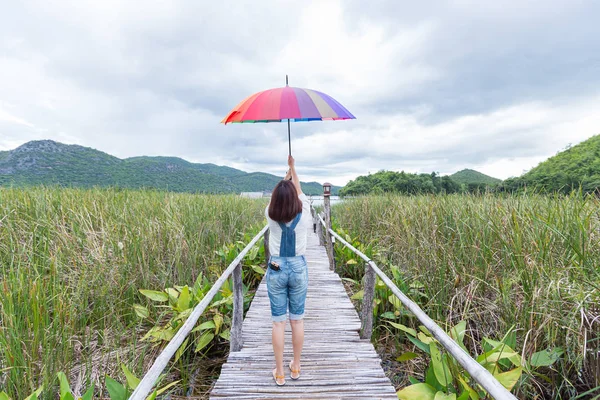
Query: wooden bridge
336	362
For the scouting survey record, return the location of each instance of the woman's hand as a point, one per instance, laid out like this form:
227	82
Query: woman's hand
291	162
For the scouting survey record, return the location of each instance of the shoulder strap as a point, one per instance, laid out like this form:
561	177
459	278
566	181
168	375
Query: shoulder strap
296	220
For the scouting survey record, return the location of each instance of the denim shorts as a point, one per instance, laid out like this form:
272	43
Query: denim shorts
287	287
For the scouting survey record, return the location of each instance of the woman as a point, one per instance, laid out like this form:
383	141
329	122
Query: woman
289	219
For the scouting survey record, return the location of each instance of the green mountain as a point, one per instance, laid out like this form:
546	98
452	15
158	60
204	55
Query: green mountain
51	163
574	167
470	176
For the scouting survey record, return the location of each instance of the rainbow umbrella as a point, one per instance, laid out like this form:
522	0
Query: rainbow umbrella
287	103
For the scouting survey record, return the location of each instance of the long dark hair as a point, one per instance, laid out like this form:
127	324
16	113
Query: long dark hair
285	204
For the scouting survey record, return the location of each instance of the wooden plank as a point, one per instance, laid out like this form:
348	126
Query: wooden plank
336	362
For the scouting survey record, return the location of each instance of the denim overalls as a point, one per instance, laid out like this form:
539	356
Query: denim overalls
290	283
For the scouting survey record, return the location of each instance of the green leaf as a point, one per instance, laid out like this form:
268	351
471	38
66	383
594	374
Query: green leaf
420	391
166	387
258	269
468	389
154	295
218	318
183	303
67	396
152	396
407	356
4	396
141	311
395	301
132	380
509	379
36	394
204	341
351	262
545	358
64	384
116	391
89	395
204	326
413	380
463	396
458	332
406	329
444	396
226	334
425	338
358	295
181	350
419	344
440	366
388	315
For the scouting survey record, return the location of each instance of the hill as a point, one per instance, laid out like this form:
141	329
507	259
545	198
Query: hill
574	167
470	176
52	163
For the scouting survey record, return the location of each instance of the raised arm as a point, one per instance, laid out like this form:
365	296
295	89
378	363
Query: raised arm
294	175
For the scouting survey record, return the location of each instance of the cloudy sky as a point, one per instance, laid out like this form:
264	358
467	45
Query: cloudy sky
497	86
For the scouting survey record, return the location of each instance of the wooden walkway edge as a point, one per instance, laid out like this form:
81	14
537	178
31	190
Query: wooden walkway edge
336	363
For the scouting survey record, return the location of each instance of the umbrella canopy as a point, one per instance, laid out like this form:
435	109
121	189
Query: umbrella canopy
291	103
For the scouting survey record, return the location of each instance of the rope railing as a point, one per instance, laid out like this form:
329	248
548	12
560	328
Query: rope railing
145	386
476	370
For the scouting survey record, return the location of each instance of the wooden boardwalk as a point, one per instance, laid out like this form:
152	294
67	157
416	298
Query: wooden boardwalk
336	363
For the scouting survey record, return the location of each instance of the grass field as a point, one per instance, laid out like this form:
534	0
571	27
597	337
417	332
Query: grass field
530	265
71	265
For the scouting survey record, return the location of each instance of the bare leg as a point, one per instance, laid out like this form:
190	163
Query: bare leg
278	342
297	342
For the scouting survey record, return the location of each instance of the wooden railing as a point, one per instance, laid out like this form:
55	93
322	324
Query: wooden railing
234	269
476	370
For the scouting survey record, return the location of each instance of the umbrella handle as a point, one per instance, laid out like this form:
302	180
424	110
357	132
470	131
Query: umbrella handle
289	138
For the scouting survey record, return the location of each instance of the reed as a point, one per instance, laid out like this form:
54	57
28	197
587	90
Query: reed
71	266
528	264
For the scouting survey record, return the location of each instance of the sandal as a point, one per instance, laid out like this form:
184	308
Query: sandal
294	371
278	377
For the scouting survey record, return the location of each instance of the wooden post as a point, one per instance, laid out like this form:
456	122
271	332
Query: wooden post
328	242
367	303
236	343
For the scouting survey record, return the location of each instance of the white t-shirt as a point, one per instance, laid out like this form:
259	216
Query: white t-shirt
301	229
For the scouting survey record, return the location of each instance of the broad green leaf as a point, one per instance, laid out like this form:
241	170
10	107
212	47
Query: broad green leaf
173	295
472	393
444	396
204	326
463	396
204	341
116	391
183	303
36	394
154	295
4	396
67	396
226	334
218	318
497	355
132	380
222	301
425	330
358	295
395	301
64	384
545	358
141	311
403	328
510	378
420	391
89	395
351	262
407	356
440	366
458	332
413	380
388	315
424	338
419	344
258	269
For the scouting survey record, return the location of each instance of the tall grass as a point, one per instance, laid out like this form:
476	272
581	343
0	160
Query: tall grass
71	264
531	263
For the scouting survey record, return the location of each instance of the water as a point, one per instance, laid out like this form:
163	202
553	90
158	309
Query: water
318	200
